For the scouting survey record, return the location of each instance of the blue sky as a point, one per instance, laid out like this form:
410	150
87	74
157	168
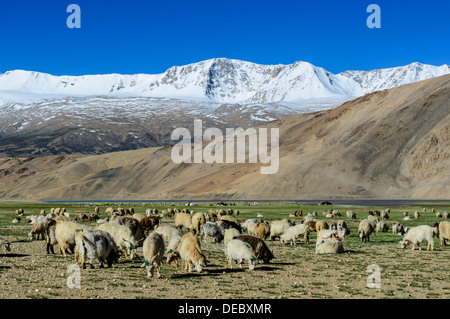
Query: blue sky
148	36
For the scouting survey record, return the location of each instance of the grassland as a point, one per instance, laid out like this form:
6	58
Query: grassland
296	272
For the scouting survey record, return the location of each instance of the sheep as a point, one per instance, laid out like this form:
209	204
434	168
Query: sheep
198	219
132	224
5	244
365	229
262	252
381	226
229	234
277	228
139	216
336	213
229	218
445	215
189	250
444	232
153	249
408	218
405	213
438	215
39	228
416	215
149	223
95	245
252	227
351	214
293	232
263	229
171	236
123	238
332	245
317	225
237	250
373	220
51	237
226	224
65	233
324	234
183	220
416	235
209	230
398	229
298	213
342	226
384	215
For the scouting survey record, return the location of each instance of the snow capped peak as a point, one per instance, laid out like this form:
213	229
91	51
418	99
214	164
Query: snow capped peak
223	80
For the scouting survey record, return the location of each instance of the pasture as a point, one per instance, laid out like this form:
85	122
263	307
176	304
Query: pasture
27	271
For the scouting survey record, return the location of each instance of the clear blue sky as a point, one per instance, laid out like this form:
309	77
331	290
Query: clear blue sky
149	36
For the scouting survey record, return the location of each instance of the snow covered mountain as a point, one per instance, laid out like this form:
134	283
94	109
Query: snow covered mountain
43	114
220	80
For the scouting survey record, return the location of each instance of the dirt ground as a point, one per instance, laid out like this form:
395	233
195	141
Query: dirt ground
296	273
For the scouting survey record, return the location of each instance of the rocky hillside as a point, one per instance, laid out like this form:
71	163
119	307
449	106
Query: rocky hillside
388	144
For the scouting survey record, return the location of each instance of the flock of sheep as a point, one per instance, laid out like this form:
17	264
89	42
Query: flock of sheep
124	231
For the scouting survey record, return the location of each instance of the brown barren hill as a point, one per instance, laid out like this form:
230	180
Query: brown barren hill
388	144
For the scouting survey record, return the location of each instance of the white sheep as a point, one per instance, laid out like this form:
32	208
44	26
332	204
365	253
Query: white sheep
229	234
153	249
324	234
293	232
381	227
331	245
365	229
190	251
444	232
416	235
277	228
65	233
123	237
171	236
39	228
95	245
197	220
398	229
351	214
239	251
183	220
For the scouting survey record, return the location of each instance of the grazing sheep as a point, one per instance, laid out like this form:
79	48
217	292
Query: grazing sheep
189	250
416	235
293	232
381	226
149	223
445	215
332	245
51	237
123	238
444	232
365	229
183	220
416	215
132	224
171	236
209	230
398	229
239	251
5	244
262	252
65	233
327	234
229	218
298	213
226	224
351	214
198	219
229	234
317	225
95	245
277	228
335	213
252	227
408	218
263	229
39	228
343	228
384	215
438	215
153	249
405	213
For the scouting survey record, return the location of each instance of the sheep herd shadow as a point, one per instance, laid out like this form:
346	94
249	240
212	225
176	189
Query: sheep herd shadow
210	272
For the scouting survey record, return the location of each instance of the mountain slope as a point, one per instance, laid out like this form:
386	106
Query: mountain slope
389	144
